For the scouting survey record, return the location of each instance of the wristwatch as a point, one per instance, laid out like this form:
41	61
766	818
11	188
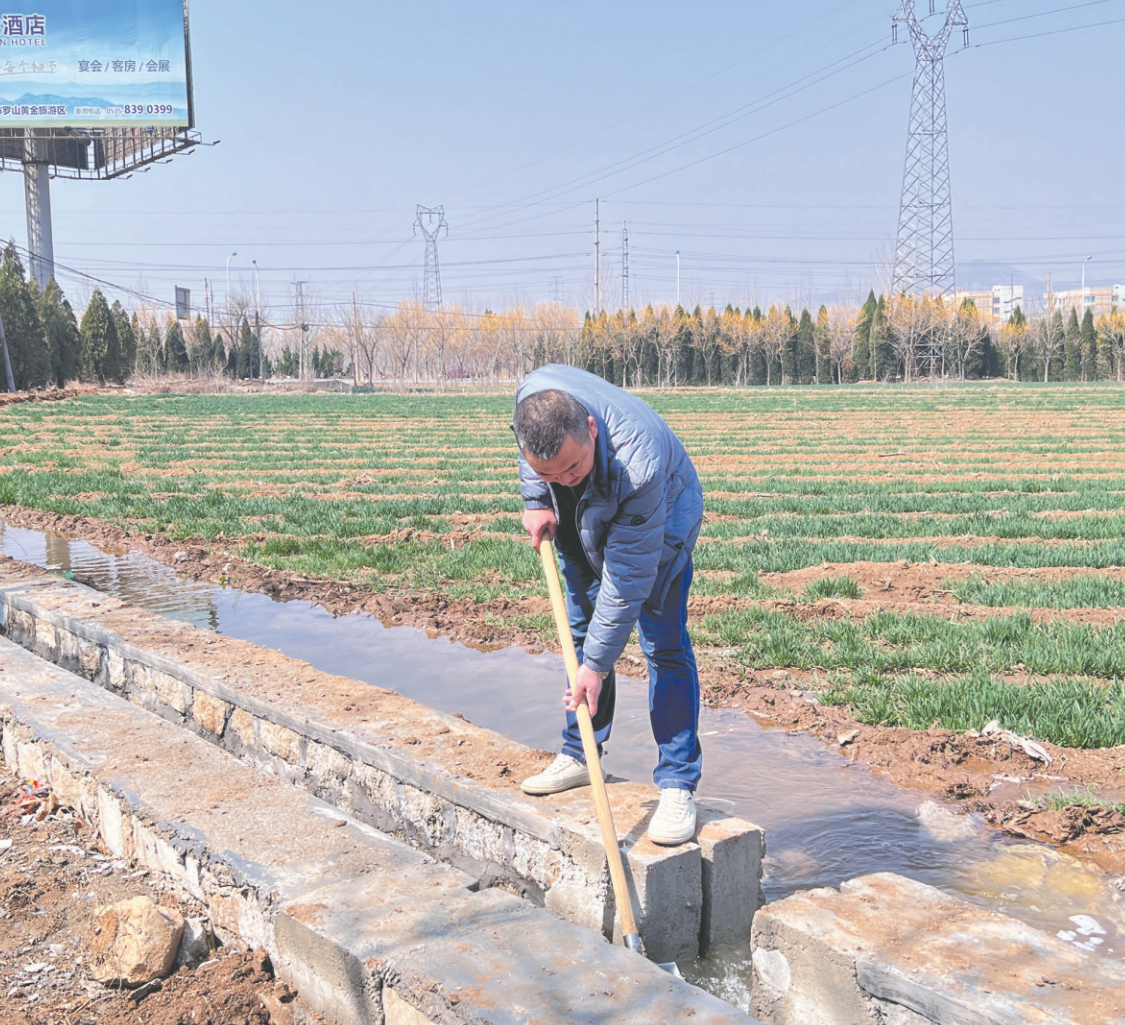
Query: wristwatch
601	676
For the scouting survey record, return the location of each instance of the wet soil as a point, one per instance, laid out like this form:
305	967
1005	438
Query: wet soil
958	767
54	876
1097	834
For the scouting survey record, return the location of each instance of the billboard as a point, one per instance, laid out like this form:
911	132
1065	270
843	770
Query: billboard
93	63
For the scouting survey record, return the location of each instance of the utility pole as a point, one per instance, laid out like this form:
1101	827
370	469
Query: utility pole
302	323
424	221
7	361
597	261
625	266
258	323
355	342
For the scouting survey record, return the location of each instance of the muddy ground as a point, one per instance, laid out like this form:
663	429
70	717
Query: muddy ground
959	767
54	875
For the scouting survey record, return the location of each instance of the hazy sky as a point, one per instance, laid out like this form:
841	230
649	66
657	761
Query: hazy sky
764	141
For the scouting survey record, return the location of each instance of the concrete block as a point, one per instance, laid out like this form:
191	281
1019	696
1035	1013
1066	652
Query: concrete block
571	896
398	1012
732	851
279	741
46	644
30	761
242	726
667	889
326	766
505	962
174	693
20	627
93	660
885	948
111	824
116	676
8	746
210	713
70	653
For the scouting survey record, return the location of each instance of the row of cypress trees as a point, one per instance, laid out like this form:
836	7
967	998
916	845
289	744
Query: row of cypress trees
748	348
47	346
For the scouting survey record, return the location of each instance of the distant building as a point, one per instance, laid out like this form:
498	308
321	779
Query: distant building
1098	300
995	306
1005	299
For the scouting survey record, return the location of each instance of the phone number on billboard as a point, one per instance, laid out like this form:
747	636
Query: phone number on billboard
141	108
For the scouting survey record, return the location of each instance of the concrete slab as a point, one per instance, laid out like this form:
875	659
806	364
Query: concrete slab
367	928
886	948
173	794
501	960
391	762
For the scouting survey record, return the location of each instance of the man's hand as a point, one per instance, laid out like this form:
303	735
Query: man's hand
587	685
540	524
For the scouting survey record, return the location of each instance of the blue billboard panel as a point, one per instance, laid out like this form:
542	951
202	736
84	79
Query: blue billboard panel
93	63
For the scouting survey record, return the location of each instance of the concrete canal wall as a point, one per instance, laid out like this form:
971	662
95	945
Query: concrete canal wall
441	784
368	929
884	950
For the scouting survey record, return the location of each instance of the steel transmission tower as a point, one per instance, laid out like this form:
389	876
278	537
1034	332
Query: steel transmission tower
924	250
625	267
430	222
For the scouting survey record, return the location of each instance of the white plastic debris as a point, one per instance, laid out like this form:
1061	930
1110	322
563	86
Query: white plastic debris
1031	748
1086	926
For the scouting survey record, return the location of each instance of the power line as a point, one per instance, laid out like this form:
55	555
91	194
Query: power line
1040	35
693	135
664	100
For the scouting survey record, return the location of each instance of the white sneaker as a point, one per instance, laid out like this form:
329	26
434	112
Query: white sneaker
674	821
564	773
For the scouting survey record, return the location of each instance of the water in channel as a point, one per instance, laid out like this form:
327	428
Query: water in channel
825	820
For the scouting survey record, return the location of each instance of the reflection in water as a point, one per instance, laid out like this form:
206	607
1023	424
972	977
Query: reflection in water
826	820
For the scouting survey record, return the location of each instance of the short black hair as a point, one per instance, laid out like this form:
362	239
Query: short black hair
545	419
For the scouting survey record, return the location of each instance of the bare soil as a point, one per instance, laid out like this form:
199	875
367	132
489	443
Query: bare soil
51	395
958	767
54	876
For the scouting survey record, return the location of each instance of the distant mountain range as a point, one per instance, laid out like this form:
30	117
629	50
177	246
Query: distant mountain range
981	275
154	92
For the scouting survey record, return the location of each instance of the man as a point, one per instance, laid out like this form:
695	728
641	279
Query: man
603	476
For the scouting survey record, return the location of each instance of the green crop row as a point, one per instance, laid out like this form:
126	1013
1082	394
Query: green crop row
885	643
1083	592
992	475
1072	713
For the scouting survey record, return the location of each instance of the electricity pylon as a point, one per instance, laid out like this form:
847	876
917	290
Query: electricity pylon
924	249
424	221
625	267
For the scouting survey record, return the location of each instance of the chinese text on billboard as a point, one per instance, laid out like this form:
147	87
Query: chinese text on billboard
92	63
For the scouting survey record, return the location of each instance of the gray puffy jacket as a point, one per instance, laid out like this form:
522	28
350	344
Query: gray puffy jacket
641	511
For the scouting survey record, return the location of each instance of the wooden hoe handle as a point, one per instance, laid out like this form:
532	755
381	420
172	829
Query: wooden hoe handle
590	748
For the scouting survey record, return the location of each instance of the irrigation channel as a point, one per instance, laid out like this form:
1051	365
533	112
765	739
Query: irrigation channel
825	820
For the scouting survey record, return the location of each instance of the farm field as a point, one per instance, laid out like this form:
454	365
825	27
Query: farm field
920	562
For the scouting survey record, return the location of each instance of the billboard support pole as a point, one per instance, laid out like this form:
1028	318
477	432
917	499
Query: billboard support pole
37	192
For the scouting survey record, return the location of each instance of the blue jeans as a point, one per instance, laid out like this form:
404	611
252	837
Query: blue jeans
673	680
